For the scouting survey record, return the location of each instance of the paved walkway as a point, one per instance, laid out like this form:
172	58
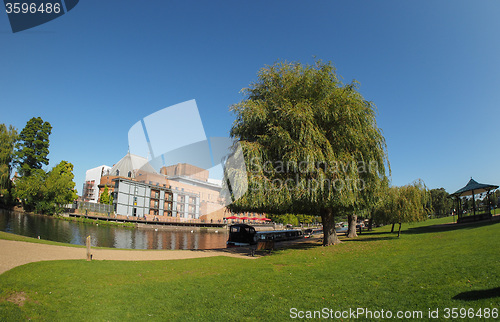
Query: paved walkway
16	253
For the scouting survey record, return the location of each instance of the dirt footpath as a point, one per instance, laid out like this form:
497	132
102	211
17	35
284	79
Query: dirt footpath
16	253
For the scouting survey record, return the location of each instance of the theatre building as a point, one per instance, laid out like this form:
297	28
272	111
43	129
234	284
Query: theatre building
138	199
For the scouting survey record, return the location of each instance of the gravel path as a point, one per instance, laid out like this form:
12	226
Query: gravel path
16	253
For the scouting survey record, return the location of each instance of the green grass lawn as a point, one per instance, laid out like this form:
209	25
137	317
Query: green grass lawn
427	268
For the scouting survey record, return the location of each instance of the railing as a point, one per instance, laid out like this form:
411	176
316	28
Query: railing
94	207
482	212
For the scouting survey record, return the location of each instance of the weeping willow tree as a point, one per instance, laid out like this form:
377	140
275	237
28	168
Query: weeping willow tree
404	204
8	139
310	143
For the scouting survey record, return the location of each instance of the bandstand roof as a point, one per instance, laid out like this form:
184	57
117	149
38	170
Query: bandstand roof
473	187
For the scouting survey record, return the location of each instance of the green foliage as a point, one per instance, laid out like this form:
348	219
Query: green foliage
404	204
33	146
440	203
47	193
98	222
106	197
495	198
306	219
8	139
60	186
294	220
32	192
286	219
311	143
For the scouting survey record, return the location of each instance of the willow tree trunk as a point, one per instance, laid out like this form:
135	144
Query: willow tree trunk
329	234
399	231
351	231
392	229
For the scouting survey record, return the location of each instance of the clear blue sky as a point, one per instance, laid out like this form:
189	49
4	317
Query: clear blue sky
431	67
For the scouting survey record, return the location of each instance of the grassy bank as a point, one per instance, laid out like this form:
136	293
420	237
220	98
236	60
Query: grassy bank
97	222
428	267
9	236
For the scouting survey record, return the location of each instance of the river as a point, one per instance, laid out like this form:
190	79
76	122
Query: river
70	232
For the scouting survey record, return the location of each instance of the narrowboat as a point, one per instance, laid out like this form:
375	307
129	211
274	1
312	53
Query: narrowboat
246	235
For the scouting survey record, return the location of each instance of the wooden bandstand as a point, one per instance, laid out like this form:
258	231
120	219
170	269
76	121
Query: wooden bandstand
473	188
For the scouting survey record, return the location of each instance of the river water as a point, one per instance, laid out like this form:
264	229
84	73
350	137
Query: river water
58	230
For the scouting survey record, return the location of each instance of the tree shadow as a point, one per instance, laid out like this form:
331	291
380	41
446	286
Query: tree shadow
369	239
300	244
450	227
478	294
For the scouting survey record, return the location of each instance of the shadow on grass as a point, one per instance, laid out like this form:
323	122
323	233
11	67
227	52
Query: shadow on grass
369	239
451	226
478	295
302	245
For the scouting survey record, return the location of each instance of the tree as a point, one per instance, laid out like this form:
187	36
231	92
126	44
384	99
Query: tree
404	204
31	191
106	197
8	139
47	193
60	187
494	198
33	146
311	144
440	202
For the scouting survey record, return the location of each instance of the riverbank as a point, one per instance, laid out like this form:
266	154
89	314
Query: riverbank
15	253
95	221
109	234
168	223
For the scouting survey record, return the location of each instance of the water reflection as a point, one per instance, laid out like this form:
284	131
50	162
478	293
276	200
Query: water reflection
108	236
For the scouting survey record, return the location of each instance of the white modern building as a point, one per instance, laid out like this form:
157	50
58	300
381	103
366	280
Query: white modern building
91	184
138	199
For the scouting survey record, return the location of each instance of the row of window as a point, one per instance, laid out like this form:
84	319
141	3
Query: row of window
156	195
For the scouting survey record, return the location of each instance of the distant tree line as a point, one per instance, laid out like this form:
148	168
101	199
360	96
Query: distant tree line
35	188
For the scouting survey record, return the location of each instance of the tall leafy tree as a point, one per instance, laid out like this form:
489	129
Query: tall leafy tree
311	144
32	191
8	138
60	186
33	146
404	204
441	204
47	192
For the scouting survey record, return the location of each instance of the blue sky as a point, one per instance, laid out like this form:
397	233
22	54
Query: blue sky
431	67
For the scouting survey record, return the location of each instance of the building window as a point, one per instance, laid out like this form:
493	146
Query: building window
117	172
129	174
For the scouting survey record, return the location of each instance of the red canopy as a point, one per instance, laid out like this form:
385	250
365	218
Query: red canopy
244	218
232	217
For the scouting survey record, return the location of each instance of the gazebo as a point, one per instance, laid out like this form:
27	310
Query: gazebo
471	189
